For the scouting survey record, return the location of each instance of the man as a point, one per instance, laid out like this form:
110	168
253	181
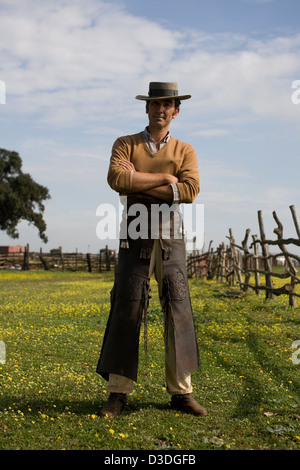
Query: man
152	168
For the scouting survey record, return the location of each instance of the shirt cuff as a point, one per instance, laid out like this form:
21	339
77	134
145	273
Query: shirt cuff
176	195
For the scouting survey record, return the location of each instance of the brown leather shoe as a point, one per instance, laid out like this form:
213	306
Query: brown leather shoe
187	404
114	406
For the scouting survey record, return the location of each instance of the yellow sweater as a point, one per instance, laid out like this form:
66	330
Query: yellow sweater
176	158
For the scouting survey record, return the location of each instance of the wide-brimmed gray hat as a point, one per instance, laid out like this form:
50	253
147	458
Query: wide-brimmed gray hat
162	91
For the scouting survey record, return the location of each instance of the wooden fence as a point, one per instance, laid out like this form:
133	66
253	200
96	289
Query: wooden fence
232	264
57	260
239	264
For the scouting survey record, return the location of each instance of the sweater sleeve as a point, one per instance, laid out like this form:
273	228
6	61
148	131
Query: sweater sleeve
119	179
188	177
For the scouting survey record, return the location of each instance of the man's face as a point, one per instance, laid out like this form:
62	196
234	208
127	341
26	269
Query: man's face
161	113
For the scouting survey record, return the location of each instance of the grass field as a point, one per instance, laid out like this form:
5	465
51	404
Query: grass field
52	325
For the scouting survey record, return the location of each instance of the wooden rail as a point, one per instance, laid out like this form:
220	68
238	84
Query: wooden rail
237	264
57	260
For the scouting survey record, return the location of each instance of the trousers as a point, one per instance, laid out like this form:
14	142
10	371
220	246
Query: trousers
175	385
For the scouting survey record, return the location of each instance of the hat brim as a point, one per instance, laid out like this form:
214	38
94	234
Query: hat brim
155	98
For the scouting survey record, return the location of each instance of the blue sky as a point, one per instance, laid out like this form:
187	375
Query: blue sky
72	70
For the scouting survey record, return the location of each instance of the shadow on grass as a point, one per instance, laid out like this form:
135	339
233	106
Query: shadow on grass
77	407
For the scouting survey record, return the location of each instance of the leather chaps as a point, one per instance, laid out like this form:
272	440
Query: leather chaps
129	303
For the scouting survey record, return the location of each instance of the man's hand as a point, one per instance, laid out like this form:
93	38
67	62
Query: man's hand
171	179
126	165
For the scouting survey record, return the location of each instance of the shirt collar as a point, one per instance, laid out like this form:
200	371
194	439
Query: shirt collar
163	141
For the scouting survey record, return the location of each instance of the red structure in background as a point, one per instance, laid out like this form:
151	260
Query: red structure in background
12	249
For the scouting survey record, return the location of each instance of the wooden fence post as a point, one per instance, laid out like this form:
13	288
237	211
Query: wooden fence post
293	211
26	258
256	265
290	264
265	252
221	254
210	264
246	262
89	262
235	264
43	261
107	259
231	259
62	257
99	267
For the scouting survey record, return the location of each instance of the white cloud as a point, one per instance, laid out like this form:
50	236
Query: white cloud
75	67
84	53
66	61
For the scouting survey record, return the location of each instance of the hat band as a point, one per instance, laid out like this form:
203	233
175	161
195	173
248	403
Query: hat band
162	92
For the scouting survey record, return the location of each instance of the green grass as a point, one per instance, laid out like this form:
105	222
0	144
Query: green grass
50	395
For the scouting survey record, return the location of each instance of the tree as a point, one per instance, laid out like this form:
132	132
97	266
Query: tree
21	198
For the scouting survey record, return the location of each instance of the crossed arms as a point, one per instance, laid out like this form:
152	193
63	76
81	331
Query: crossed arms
128	175
154	184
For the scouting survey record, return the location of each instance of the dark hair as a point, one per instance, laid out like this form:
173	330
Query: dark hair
177	104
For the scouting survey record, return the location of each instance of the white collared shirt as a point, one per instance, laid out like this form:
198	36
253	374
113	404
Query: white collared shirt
153	149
